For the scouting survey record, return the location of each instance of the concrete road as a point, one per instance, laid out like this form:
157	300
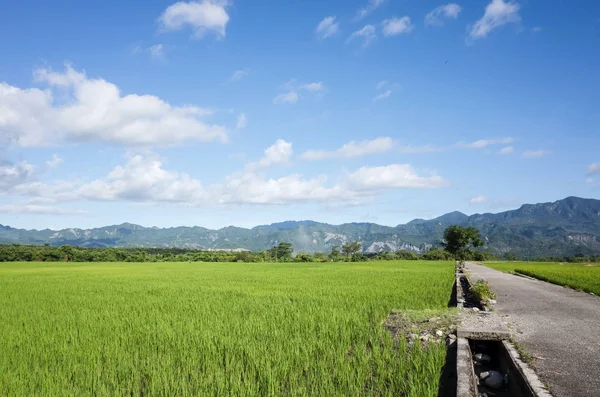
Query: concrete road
560	327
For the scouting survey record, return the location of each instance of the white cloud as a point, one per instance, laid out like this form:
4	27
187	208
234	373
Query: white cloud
594	169
381	84
157	51
242	121
313	87
202	17
143	179
392	176
507	150
448	11
288	97
38	209
327	27
366	34
94	110
383	95
371	6
537	29
478	200
535	154
279	153
238	75
12	175
55	161
497	13
396	26
479	144
352	149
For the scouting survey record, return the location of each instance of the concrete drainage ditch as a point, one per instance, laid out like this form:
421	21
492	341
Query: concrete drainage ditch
487	365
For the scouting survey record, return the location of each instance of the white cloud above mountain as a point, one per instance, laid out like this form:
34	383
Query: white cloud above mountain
352	149
77	109
497	13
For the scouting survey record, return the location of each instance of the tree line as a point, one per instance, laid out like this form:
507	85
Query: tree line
282	252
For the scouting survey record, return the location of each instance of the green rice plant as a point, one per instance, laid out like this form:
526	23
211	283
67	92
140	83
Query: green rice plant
582	277
239	329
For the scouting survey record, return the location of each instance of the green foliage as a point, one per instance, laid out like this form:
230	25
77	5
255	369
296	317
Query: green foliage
583	277
281	252
351	248
437	254
459	241
203	329
482	291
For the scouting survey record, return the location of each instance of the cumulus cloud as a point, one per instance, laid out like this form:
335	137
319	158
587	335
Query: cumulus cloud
143	178
478	200
366	34
54	162
497	13
395	26
279	153
594	169
12	175
536	154
206	16
242	121
479	144
448	11
371	6
352	149
507	150
327	27
94	110
392	176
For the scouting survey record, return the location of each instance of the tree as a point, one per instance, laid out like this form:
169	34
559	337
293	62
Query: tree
281	252
335	253
459	241
350	249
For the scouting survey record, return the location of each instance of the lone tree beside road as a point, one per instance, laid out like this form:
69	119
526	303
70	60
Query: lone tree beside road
460	241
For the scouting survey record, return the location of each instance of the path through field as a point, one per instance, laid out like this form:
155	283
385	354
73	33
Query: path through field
560	327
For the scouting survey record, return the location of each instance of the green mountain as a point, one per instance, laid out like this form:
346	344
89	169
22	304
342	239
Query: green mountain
565	227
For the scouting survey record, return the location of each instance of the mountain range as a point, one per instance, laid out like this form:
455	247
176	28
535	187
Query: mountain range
566	227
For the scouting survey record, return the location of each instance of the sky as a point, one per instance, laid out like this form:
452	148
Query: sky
229	112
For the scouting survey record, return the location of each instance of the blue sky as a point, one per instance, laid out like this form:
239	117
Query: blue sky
217	113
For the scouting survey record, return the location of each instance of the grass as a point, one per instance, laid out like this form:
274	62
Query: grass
582	277
166	329
482	291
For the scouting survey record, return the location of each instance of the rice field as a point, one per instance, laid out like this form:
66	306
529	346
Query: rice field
579	276
239	329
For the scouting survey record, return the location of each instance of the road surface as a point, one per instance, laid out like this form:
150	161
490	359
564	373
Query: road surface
560	327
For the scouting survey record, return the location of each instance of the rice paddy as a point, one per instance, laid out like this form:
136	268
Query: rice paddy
261	329
579	276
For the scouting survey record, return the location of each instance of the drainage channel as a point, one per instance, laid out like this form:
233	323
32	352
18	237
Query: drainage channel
487	365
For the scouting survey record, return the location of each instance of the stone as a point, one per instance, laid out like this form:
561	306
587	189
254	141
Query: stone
482	358
475	309
434	319
424	338
439	333
413	336
492	301
493	379
452	336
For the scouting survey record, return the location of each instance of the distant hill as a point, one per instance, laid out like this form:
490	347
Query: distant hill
565	227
